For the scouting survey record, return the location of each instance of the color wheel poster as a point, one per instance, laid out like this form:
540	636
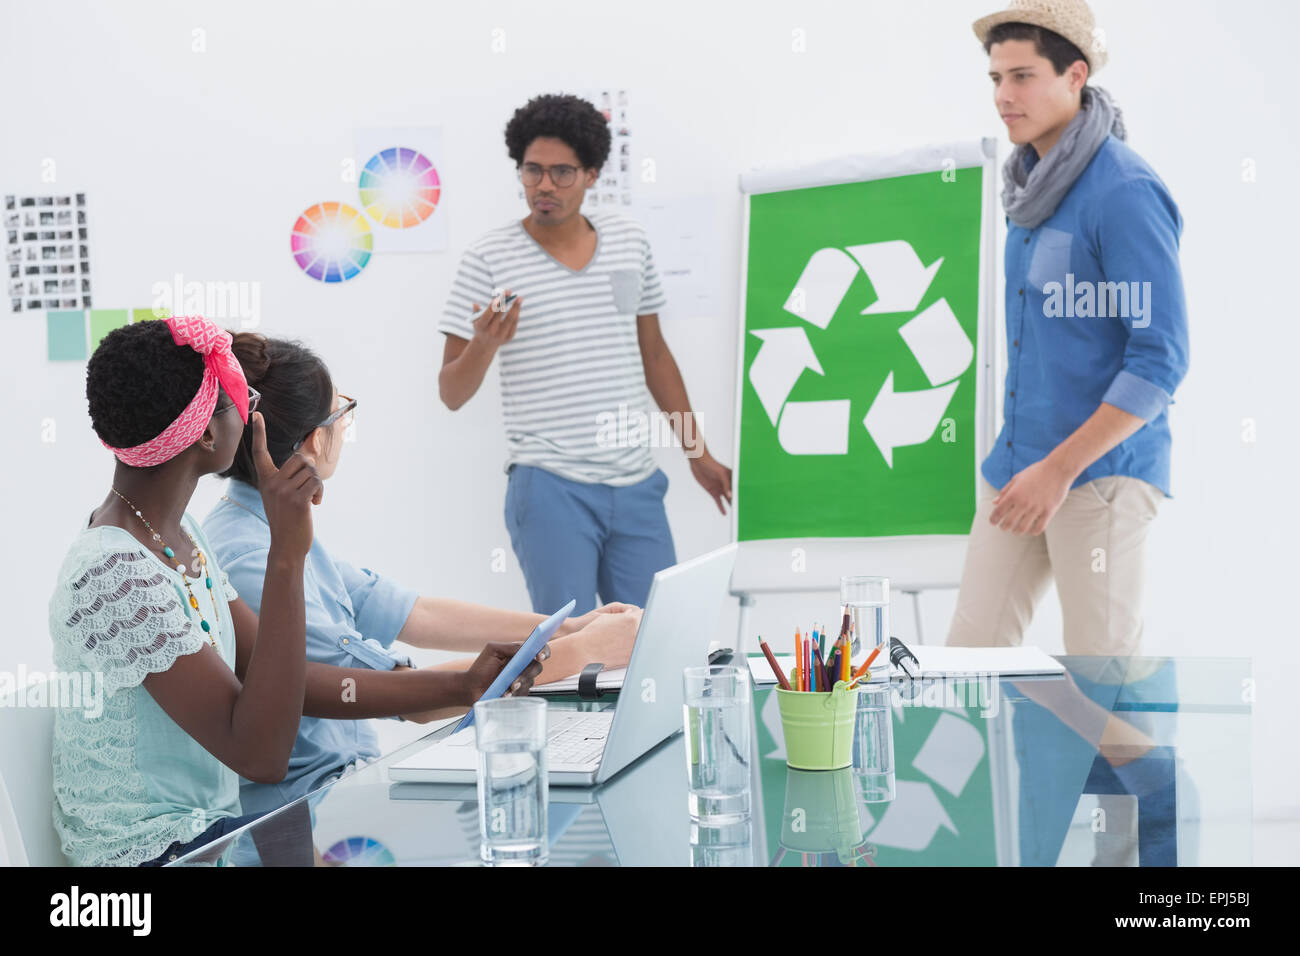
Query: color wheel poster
399	187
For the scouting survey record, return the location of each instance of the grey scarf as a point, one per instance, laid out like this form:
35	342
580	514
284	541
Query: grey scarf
1030	197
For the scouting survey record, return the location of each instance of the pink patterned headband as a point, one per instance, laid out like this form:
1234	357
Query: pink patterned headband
221	367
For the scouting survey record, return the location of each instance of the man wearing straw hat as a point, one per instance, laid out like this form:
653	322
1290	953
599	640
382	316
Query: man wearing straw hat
1096	344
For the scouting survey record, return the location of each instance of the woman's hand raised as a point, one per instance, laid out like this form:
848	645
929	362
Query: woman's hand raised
287	494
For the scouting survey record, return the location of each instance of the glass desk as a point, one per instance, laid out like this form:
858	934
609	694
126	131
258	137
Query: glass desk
1124	761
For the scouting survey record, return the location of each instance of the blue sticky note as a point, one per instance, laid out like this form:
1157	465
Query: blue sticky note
66	335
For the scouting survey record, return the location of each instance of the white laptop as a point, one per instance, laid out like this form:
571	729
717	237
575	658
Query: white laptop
590	746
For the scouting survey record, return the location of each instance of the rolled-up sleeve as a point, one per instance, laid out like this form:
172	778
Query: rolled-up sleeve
381	605
1138	233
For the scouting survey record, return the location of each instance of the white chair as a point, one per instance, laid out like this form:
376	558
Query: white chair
9	835
27	785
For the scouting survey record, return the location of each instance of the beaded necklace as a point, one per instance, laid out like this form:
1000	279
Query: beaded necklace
203	562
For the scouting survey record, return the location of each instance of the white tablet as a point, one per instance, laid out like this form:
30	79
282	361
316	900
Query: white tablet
532	647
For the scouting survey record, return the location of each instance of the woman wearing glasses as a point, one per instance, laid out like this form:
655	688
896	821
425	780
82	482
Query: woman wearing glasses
354	615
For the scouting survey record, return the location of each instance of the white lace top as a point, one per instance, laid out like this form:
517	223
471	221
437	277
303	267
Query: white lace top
128	781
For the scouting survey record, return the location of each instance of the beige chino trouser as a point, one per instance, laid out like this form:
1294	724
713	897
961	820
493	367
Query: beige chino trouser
1094	548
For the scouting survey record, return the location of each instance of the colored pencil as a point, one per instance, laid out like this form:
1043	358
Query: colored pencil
819	670
867	663
798	661
771	660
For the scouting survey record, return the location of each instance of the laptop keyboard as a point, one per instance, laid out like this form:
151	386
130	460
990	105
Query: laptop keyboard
578	740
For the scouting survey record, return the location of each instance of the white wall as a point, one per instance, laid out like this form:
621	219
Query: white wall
198	163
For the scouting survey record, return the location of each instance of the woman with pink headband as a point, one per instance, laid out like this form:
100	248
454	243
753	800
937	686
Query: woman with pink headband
194	690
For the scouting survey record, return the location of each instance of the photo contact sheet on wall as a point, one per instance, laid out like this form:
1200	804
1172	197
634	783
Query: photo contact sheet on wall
47	252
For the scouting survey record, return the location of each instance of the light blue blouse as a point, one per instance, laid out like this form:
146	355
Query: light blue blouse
353	616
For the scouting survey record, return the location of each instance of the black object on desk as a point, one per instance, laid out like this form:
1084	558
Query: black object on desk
904	659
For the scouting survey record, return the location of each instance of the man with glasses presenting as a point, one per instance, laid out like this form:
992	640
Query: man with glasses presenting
580	347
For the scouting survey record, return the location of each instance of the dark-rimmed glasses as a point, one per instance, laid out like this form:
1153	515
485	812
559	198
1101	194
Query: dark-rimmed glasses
346	411
530	174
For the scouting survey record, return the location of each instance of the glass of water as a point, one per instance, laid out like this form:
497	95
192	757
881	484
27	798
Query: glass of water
510	733
866	601
728	844
873	742
716	719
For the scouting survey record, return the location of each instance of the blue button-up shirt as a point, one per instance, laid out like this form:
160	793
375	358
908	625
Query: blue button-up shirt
353	615
1095	313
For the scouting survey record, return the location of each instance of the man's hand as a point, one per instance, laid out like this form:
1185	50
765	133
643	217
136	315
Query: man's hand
575	624
609	638
1029	500
496	326
714	477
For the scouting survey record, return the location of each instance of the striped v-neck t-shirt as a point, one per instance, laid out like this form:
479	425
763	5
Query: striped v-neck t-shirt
573	371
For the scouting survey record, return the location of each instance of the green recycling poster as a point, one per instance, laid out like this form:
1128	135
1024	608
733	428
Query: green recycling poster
857	405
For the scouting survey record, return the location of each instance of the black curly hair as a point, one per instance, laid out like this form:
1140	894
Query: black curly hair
138	381
568	118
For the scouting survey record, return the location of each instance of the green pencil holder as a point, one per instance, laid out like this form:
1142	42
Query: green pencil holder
818	727
822	813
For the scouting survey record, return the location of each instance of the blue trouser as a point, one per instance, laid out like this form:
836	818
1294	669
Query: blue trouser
1057	766
210	835
574	539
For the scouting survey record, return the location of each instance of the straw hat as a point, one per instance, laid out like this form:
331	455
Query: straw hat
1070	18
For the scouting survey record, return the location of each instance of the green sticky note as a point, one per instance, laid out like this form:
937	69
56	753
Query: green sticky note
103	321
66	335
144	315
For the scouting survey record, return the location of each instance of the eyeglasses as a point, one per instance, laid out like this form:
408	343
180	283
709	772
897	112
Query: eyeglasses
346	413
530	174
254	396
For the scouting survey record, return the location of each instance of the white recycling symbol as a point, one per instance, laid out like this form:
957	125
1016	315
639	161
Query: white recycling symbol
935	337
